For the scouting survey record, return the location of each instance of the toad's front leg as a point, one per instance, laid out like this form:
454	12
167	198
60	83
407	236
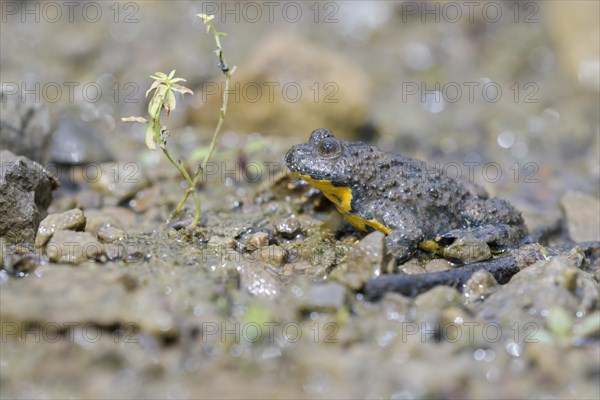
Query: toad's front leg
404	237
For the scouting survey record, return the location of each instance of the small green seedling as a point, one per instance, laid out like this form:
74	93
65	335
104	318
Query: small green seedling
163	98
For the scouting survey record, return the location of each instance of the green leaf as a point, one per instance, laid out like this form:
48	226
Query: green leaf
152	87
206	18
155	105
159	76
150	142
170	102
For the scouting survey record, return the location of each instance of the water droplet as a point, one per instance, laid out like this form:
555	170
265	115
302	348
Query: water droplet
506	139
514	349
479	354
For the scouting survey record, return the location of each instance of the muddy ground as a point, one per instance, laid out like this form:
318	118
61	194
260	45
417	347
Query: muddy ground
102	295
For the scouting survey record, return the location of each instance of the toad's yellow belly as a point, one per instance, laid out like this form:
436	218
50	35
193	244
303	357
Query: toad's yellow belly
342	198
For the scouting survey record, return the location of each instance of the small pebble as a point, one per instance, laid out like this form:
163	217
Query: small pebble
479	285
412	267
73	220
437	265
257	240
289	228
468	250
221	242
365	260
273	255
109	234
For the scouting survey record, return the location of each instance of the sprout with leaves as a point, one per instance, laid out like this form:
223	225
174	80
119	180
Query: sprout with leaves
163	98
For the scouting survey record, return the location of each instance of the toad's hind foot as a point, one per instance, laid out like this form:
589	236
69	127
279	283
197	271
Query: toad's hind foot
499	237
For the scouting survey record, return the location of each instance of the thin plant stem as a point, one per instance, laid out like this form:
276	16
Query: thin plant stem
216	135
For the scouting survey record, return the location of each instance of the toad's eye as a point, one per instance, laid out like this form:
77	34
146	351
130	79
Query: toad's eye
329	148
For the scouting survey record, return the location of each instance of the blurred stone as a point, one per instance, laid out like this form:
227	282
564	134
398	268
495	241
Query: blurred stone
365	260
25	194
121	181
60	294
146	199
479	285
412	267
328	296
437	265
222	242
119	217
69	220
86	198
546	284
73	247
25	126
260	280
289	87
76	142
109	234
582	213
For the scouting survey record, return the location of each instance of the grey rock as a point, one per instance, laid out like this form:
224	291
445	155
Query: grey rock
25	126
365	260
76	142
544	285
25	194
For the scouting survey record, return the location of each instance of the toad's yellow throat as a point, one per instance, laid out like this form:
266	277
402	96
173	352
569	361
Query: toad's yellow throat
342	197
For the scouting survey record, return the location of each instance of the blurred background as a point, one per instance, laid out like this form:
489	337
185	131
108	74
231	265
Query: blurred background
468	83
516	83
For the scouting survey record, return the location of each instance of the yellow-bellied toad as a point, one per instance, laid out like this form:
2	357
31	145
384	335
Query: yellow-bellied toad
400	197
